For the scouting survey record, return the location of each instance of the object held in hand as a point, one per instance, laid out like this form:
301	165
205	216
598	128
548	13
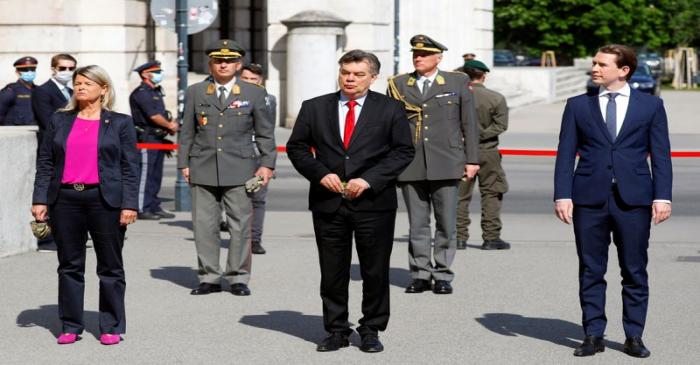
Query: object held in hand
40	230
344	193
254	184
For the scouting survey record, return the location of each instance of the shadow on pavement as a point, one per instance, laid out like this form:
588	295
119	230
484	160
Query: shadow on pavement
397	276
187	224
556	331
307	327
180	275
46	316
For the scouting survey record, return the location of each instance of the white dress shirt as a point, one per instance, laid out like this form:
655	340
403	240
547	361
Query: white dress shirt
343	111
622	101
421	80
228	87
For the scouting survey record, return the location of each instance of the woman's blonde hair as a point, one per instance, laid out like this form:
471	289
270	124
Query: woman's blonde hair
100	76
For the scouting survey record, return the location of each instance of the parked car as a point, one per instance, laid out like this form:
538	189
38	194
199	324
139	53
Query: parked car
503	57
653	60
642	80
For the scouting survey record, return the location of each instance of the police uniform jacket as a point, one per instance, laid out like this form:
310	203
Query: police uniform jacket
16	104
216	140
443	125
492	110
146	101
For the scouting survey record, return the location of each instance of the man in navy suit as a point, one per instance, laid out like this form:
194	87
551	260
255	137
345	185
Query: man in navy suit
612	191
47	98
352	145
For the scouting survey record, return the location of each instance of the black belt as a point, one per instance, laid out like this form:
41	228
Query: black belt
79	187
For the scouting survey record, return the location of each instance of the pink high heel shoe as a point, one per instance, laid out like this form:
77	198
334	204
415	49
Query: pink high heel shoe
109	339
67	338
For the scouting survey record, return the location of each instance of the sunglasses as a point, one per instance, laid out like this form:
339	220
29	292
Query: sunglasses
65	68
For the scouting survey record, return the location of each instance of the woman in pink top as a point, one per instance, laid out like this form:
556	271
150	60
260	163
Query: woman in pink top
87	181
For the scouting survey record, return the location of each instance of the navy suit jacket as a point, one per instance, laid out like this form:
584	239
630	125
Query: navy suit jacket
644	133
117	159
46	99
380	149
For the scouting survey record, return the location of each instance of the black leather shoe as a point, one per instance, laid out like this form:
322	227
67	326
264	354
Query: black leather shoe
164	214
498	244
223	226
240	289
333	342
442	287
258	249
371	343
206	288
635	347
461	244
590	346
148	216
418	286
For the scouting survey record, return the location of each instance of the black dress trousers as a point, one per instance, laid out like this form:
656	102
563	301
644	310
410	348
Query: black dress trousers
374	235
72	216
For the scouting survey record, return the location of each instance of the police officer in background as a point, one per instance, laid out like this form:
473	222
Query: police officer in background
217	157
153	123
440	109
493	120
16	97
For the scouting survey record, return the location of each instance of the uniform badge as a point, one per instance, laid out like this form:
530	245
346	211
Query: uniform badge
203	119
239	104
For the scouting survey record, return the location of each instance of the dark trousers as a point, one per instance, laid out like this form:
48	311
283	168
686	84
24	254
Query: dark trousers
374	236
629	226
151	177
74	214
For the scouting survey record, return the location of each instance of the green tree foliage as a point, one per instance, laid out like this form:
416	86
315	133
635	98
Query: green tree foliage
576	28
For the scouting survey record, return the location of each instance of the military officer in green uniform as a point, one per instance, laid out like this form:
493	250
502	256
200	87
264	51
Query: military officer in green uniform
217	157
441	113
492	110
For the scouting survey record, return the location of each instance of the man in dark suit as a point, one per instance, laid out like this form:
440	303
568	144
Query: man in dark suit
612	191
352	145
47	98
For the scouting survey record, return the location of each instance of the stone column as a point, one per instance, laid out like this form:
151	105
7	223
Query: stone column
312	57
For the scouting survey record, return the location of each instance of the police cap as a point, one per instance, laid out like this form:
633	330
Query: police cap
477	65
225	49
149	66
422	42
26	62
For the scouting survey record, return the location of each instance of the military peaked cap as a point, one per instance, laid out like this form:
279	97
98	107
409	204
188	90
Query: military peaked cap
424	43
225	49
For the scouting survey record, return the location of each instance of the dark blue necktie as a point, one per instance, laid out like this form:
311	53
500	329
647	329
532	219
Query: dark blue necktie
611	115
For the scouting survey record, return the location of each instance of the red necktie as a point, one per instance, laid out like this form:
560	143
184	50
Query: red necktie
349	123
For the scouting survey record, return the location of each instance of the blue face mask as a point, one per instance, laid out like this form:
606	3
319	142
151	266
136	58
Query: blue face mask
27	76
156	77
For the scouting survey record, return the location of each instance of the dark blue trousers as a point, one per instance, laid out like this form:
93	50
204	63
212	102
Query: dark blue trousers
151	177
629	226
74	214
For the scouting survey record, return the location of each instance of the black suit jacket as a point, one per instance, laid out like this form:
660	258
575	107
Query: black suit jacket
46	100
117	159
379	150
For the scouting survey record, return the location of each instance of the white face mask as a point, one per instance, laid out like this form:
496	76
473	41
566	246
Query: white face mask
64	77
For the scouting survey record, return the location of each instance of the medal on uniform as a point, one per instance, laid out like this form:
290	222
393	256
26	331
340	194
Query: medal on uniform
203	119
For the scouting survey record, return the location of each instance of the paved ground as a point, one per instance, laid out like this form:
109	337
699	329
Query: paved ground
513	307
